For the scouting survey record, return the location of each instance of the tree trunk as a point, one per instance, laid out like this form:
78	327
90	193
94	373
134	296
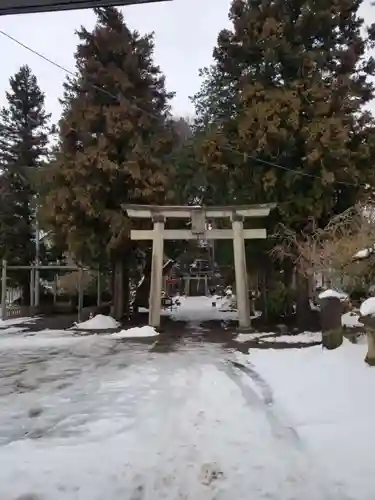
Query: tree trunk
143	291
125	291
288	282
118	289
24	284
303	309
121	289
262	301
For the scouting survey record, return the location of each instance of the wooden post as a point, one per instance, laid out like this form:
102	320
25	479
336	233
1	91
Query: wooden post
80	296
98	290
4	291
32	291
37	260
240	272
156	271
55	290
36	286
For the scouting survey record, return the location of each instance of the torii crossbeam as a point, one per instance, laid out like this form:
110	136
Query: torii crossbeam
198	217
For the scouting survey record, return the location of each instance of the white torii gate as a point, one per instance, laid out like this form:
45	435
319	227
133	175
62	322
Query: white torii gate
198	215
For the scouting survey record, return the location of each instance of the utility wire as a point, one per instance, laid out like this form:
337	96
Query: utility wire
134	106
54	63
305	174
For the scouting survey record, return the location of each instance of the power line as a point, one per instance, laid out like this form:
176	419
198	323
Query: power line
305	174
229	148
54	63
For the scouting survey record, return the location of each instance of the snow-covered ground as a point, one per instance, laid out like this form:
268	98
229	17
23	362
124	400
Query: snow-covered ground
136	333
351	320
16	321
302	338
330	405
200	309
91	417
98	322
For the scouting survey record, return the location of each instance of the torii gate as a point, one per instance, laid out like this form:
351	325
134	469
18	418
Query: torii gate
198	216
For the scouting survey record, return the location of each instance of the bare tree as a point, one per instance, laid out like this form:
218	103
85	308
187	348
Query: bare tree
334	249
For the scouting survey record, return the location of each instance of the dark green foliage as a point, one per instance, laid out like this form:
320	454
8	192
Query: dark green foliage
116	141
290	79
114	138
282	111
23	150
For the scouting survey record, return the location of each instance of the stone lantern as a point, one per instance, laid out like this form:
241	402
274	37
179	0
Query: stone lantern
367	317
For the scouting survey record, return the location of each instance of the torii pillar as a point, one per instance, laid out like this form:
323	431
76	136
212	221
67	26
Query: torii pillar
156	270
240	269
198	216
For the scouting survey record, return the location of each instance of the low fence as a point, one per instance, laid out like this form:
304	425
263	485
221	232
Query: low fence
14	309
26	301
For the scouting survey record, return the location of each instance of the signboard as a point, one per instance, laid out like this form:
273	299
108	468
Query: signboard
28	6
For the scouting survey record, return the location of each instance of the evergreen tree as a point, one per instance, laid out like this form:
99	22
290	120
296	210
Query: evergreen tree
23	150
186	166
115	145
215	101
299	76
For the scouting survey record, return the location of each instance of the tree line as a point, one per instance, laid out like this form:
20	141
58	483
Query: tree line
281	116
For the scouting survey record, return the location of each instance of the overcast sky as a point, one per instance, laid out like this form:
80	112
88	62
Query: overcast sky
185	34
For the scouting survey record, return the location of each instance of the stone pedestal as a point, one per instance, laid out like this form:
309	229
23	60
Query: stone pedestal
369	322
330	316
370	356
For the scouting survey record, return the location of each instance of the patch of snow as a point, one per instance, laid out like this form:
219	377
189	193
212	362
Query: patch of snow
332	293
39	340
329	408
98	322
302	338
246	337
167	262
141	281
314	307
367	307
363	254
351	320
198	309
137	332
16	321
12	329
229	302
